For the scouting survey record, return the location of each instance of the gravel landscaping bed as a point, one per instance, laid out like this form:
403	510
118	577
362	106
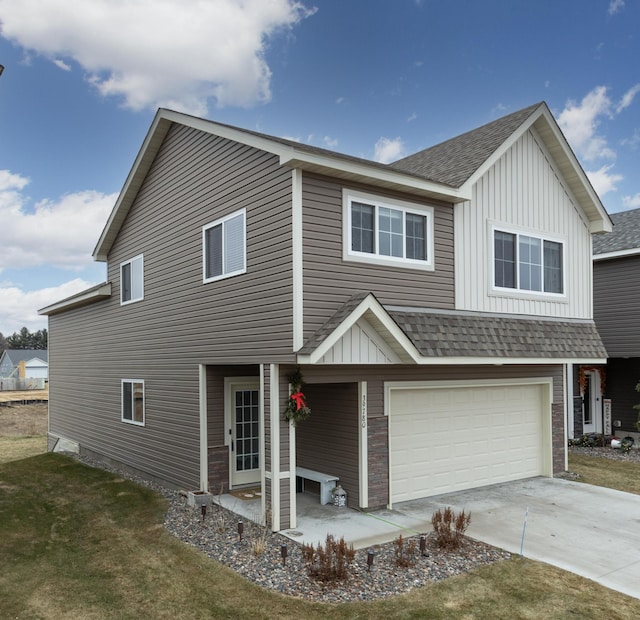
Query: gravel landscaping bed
613	454
217	536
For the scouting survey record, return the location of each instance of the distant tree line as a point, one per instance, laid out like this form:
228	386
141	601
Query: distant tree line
24	339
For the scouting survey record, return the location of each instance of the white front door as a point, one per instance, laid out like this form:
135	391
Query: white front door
243	430
591	403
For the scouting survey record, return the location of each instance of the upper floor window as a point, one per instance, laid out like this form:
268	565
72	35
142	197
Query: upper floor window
388	231
133	401
527	263
224	247
132	280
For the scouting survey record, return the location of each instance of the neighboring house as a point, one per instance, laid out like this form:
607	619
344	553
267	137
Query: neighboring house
616	300
434	307
34	363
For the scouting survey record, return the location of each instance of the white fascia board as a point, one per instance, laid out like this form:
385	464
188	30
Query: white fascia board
103	291
354	170
368	304
152	142
486	361
505	361
616	254
599	220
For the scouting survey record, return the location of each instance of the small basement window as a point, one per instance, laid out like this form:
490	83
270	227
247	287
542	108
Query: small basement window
133	401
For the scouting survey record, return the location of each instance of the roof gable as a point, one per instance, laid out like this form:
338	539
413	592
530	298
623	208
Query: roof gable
446	171
462	160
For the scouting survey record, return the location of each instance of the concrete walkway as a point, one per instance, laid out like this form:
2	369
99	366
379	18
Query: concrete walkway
584	529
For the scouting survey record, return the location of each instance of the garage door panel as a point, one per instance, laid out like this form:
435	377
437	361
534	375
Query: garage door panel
448	439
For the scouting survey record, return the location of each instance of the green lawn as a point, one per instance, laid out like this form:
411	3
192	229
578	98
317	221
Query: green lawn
78	542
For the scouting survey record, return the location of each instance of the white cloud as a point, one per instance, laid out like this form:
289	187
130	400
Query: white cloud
633	142
19	308
579	122
159	52
60	232
615	6
61	64
329	142
603	180
627	98
631	202
387	150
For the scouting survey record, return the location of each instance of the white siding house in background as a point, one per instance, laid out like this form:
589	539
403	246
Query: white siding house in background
35	363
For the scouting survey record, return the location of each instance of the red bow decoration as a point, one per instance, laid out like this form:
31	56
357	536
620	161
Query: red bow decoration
298	398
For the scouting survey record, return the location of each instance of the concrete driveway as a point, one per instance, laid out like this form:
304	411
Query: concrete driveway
588	530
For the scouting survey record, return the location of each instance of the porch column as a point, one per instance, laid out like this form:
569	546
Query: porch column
363	445
278	481
204	452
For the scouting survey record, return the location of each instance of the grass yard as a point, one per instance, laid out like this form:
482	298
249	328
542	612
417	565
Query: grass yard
78	542
23	430
619	475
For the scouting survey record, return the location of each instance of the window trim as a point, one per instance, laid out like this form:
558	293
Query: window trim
427	211
144	407
221	222
522	292
133	300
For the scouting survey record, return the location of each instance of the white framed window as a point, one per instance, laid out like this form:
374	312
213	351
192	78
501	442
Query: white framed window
132	280
387	231
133	401
527	262
224	247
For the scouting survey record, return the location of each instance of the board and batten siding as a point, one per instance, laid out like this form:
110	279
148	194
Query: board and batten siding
616	299
524	190
329	281
195	179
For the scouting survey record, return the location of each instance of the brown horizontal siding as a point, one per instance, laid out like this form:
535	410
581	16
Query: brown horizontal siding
181	322
616	299
328	441
329	280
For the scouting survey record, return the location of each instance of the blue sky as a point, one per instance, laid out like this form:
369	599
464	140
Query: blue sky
374	78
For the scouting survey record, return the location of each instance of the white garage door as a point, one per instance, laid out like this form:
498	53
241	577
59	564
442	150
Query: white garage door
449	439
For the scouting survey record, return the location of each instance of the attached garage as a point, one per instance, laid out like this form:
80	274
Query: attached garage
450	436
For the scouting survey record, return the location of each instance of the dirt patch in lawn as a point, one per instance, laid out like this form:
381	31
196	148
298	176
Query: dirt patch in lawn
17	420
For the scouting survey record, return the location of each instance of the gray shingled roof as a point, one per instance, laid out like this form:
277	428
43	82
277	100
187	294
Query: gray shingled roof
454	161
625	235
438	333
24	355
318	337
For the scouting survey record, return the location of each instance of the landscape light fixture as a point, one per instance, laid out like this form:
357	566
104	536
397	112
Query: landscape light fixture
240	529
283	553
423	546
370	555
203	508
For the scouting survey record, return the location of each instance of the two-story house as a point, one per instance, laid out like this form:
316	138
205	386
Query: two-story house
616	269
433	307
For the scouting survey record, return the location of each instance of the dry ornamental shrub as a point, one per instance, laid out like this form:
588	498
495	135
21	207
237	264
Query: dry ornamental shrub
331	562
450	528
404	552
